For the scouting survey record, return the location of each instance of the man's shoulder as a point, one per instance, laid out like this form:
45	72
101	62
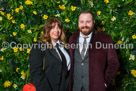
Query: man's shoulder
103	37
74	36
102	34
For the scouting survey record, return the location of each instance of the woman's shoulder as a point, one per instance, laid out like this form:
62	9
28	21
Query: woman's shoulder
39	46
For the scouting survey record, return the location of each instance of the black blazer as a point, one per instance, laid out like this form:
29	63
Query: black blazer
50	79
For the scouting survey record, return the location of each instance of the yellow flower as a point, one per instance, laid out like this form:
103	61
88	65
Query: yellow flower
58	2
98	28
133	72
12	10
8	15
21	7
91	3
120	42
28	50
22	26
22	72
9	18
67	20
29	31
0	18
17	69
35	40
34	12
21	49
13	21
57	15
103	29
2	13
45	17
103	23
41	32
2	58
134	36
73	8
98	12
130	12
15	49
23	75
62	7
28	2
113	18
122	0
2	49
7	84
14	33
132	57
17	10
14	85
106	1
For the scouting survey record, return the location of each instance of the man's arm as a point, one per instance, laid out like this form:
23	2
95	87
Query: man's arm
113	64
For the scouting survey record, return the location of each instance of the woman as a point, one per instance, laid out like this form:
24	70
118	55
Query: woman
54	75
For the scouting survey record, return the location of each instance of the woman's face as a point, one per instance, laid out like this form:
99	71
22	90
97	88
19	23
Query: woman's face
55	33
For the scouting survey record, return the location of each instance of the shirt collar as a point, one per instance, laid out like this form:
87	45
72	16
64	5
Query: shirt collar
54	43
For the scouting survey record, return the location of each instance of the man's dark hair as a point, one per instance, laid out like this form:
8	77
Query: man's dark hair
87	11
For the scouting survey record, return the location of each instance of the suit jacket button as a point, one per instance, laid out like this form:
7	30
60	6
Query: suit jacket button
82	76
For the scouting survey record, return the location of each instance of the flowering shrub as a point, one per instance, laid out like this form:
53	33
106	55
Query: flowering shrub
21	22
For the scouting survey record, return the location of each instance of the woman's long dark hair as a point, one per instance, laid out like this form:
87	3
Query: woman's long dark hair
45	37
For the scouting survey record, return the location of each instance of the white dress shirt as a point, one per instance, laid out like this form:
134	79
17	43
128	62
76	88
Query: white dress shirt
81	40
64	52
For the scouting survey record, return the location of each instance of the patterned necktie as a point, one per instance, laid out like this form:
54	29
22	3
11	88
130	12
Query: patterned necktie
64	63
84	47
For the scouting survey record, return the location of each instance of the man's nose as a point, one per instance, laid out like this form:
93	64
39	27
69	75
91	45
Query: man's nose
85	23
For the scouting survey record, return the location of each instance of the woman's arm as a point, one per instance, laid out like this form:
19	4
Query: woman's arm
36	69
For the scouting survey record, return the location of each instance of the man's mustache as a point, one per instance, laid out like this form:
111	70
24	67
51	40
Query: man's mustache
85	27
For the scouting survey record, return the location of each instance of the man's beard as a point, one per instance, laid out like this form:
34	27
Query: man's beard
90	29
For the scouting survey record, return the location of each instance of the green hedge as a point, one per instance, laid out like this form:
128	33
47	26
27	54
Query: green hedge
21	23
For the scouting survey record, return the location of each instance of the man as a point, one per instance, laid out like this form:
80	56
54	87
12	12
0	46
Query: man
92	68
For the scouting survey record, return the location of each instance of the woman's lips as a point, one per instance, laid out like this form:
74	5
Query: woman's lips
56	34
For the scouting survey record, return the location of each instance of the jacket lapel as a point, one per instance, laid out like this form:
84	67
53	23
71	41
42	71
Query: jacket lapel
92	41
55	54
75	38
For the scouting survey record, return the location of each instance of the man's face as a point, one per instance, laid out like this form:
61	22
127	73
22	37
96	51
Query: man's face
86	23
